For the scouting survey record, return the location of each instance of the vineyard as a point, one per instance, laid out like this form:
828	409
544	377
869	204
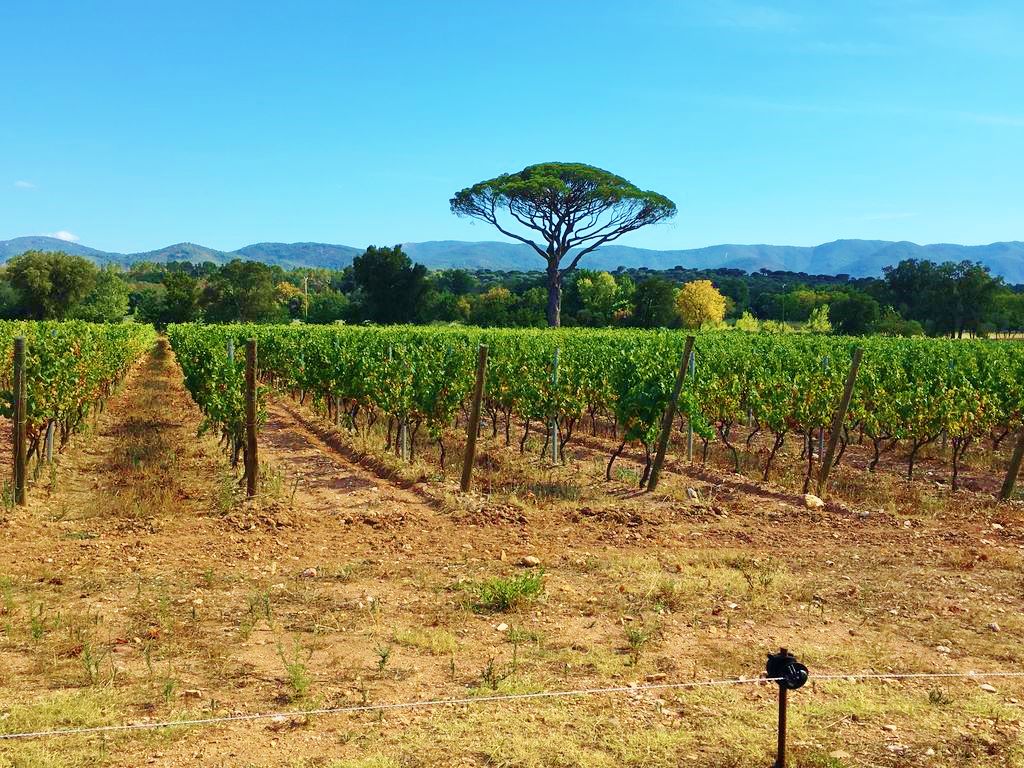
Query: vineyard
341	603
743	389
70	370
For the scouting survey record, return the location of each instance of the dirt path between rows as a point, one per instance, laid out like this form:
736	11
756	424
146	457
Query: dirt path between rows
127	573
141	586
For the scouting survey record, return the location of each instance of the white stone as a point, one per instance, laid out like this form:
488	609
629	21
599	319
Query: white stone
813	502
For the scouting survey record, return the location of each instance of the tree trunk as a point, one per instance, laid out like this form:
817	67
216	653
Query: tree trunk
554	295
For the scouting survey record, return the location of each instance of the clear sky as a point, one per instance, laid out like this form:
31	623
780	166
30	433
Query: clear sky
133	125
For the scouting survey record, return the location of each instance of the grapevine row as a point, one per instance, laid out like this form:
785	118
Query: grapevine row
910	392
70	369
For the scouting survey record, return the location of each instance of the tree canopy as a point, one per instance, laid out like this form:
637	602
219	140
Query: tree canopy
51	283
699	303
854	314
561	208
948	298
654	303
242	290
602	298
107	302
391	286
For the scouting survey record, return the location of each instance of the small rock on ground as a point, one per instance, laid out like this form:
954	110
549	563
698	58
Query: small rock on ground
813	502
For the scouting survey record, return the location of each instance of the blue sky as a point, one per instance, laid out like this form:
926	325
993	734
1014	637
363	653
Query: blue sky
133	125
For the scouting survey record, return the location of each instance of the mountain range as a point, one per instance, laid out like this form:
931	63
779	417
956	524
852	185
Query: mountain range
858	258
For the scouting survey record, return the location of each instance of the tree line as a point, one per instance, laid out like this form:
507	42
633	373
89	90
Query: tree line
384	286
562	211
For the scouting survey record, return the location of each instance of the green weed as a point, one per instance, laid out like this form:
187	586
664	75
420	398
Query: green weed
500	595
296	671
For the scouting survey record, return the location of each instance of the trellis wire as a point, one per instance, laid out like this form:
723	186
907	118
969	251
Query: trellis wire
466	700
358	708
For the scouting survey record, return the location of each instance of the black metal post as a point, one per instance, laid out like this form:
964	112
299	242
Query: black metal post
780	752
790	674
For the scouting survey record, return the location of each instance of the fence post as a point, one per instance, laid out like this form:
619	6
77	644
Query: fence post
780	748
474	419
554	419
837	421
670	414
790	675
1011	474
403	438
252	464
233	447
20	418
689	422
821	429
48	445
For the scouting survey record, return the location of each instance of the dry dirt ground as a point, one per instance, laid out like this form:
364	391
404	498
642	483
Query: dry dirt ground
138	586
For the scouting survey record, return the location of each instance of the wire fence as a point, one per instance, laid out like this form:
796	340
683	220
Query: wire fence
353	709
496	698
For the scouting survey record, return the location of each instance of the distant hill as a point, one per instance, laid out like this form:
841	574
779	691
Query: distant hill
283	254
859	258
17	246
179	252
301	254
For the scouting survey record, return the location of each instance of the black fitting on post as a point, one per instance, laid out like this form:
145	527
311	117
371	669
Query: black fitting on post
790	674
786	670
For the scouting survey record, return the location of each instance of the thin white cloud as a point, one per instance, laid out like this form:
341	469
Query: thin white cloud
990	32
22	184
752	16
850	48
1012	121
63	234
886	110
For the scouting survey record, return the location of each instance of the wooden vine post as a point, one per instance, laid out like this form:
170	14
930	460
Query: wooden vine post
554	419
252	463
689	421
821	429
1011	474
20	417
234	437
670	414
474	419
48	440
837	421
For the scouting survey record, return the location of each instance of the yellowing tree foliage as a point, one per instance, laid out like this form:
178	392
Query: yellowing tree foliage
747	322
818	322
699	303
